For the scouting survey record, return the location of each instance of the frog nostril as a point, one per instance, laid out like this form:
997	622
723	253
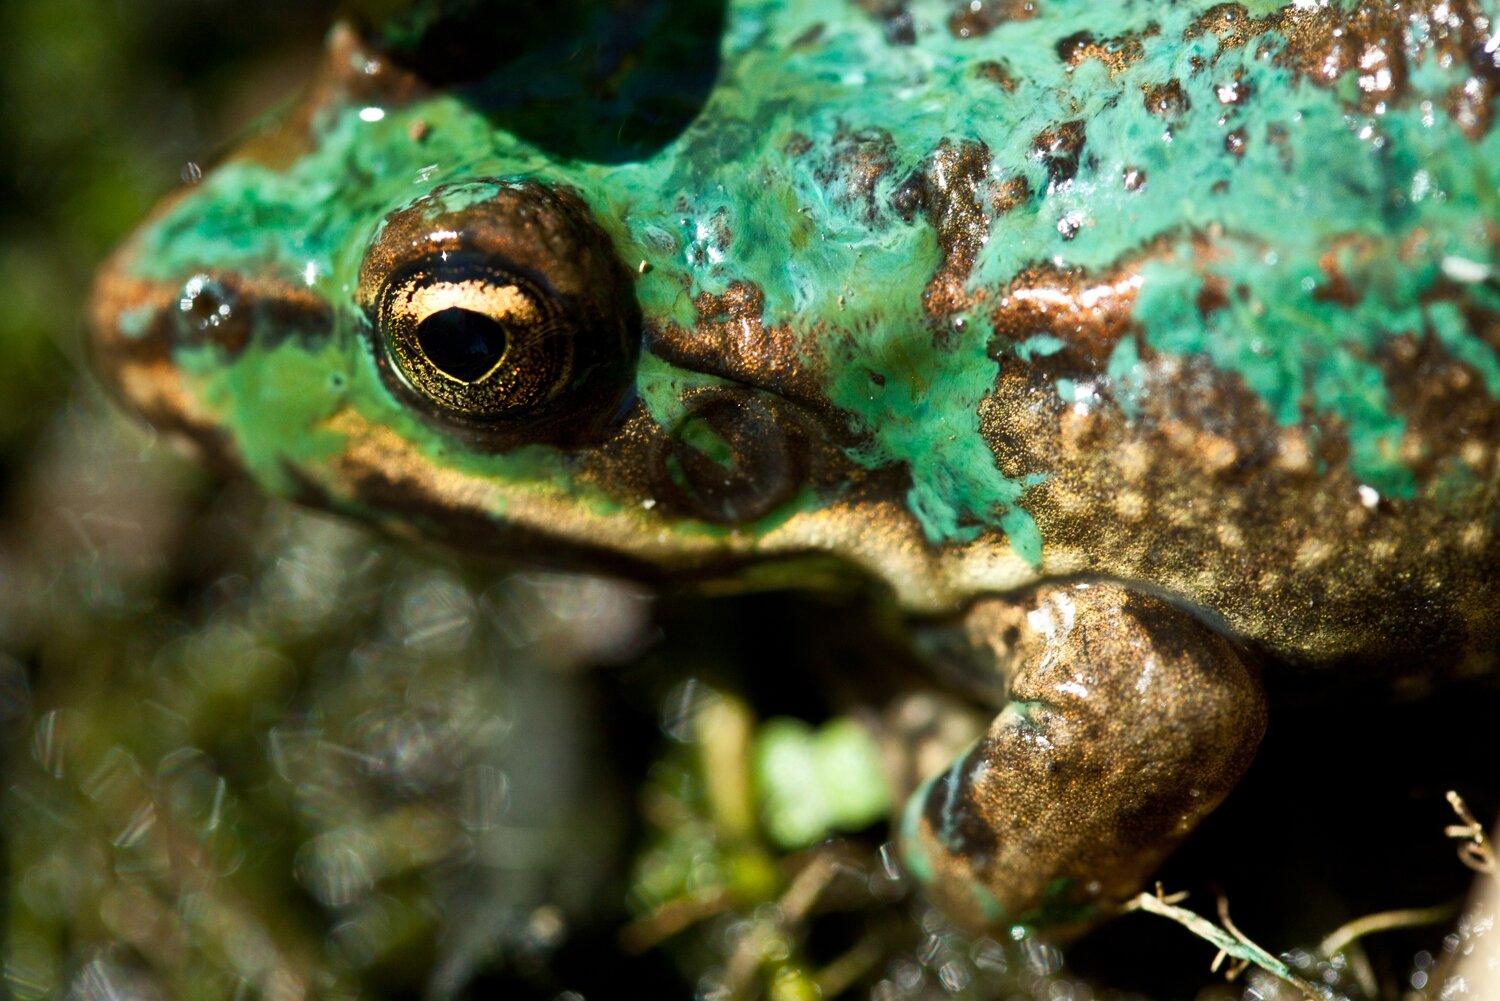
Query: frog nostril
462	343
212	311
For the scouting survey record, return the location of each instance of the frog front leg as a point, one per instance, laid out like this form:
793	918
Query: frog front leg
1128	721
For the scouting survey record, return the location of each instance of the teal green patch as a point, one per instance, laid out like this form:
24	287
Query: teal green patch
664	388
1125	375
918	401
465	195
277	399
913	850
1040	346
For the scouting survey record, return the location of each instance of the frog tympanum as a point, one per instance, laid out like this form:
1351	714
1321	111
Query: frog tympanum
1140	349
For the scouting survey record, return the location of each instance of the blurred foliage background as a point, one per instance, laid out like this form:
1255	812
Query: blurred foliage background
251	752
103	105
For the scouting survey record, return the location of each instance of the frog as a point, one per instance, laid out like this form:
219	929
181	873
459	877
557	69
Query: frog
1141	355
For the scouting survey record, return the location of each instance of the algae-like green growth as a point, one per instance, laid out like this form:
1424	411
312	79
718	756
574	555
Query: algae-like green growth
1248	181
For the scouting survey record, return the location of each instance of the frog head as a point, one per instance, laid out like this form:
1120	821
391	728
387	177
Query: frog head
389	305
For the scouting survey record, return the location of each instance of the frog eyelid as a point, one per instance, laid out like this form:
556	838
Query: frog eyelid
552	330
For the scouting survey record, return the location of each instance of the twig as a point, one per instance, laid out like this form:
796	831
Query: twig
646	933
793	907
839	975
1412	917
1476	851
1229	940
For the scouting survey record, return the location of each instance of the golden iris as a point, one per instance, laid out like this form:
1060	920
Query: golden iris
476	339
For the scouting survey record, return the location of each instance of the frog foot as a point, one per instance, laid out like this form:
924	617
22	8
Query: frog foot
1128	722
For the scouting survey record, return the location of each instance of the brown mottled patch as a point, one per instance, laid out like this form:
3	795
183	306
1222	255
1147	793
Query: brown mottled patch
731	340
975	18
1088	313
1134	178
1451	414
796	144
1231	23
1213	296
809	37
1324	43
997	74
1230	501
1058	148
1235	142
1115	54
950	190
854	167
900	29
1378	43
1235	91
1338	288
1010	194
1166	99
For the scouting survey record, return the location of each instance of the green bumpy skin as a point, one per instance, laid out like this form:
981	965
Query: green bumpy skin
968	297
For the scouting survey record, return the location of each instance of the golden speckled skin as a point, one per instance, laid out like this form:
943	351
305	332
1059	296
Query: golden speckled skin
1200	494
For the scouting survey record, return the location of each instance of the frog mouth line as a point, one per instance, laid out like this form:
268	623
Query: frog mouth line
387	479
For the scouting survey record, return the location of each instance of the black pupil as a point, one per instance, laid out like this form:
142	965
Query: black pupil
462	343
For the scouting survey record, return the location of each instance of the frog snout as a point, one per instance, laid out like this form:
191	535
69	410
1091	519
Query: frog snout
146	326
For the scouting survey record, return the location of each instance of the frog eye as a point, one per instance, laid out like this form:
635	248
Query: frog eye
496	301
475	339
